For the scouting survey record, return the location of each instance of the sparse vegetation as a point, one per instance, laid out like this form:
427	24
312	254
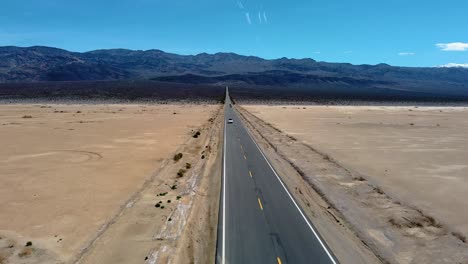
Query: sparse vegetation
170	219
162	194
202	156
459	236
78	112
168	201
27	116
157	205
173	187
28	244
178	197
178	156
360	178
181	173
162	207
188	165
378	190
196	134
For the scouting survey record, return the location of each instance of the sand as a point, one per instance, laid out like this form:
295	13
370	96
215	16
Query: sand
417	155
66	169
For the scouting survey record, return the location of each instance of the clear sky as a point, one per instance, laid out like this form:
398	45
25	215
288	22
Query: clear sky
398	32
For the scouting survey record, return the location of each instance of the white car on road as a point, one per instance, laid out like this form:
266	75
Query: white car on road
230	121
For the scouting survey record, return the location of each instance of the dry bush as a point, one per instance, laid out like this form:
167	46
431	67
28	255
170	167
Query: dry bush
181	173
178	156
459	236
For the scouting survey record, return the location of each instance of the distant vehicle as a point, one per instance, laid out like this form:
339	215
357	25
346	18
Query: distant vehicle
230	105
230	121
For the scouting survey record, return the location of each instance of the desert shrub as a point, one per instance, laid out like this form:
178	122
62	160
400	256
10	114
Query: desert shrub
78	112
173	187
459	236
181	172
378	190
28	244
202	156
162	194
162	207
27	116
157	205
197	134
168	201
188	165
178	156
360	178
170	219
178	197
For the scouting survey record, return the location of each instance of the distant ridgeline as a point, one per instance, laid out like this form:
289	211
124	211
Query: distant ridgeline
129	74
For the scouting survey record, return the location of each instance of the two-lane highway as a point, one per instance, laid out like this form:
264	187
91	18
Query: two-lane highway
259	220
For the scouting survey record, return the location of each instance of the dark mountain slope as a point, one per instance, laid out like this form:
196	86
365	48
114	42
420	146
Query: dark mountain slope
19	65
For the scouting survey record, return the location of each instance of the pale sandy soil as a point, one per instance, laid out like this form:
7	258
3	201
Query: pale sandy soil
173	218
393	175
424	164
64	174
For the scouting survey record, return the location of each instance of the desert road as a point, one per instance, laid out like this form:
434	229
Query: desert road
259	221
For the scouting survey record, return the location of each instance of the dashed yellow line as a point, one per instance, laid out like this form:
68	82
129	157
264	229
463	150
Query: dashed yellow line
250	174
260	203
279	260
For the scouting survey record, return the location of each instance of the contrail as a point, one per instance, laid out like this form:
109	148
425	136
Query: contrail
247	17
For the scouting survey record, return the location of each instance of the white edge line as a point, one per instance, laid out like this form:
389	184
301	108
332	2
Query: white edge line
223	252
290	196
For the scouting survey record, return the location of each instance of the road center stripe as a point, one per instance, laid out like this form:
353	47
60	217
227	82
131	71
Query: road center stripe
260	203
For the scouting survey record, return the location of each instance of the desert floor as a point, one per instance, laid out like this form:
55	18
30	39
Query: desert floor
418	155
66	169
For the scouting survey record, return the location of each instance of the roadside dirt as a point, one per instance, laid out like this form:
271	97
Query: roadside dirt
173	219
358	220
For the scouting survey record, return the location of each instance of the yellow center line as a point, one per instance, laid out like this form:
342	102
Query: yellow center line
250	174
279	260
260	203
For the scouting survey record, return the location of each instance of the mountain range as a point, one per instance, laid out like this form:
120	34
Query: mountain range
45	64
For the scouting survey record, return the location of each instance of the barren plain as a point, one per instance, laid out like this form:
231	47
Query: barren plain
417	154
393	175
67	169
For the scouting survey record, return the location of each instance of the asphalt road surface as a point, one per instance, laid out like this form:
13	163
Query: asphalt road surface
259	221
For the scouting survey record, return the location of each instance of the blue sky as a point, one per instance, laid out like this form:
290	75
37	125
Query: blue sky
361	32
